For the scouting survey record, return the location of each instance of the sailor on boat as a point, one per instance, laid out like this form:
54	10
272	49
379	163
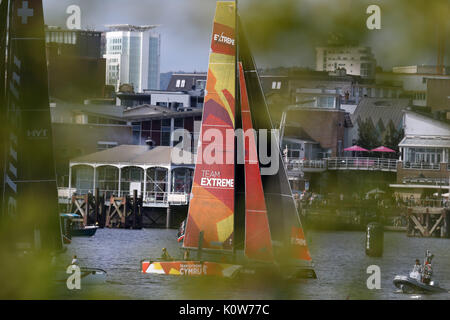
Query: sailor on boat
165	255
416	273
427	268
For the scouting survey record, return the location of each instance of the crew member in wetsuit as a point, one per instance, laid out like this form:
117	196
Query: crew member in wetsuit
417	270
417	267
165	255
427	269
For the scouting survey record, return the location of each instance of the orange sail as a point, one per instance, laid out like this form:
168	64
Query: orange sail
258	243
211	208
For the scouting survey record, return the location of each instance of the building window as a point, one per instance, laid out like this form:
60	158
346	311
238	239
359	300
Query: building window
183	83
276	85
178	83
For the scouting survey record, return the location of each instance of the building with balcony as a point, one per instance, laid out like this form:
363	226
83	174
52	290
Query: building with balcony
161	175
82	129
425	151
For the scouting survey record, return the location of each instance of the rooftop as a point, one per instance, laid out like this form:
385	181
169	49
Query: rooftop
425	141
146	111
135	155
381	109
130	27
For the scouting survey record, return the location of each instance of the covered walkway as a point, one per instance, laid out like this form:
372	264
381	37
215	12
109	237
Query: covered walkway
157	174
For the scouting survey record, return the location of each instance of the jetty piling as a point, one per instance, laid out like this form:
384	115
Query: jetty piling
428	222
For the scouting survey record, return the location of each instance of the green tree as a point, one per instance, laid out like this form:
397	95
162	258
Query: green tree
392	136
368	136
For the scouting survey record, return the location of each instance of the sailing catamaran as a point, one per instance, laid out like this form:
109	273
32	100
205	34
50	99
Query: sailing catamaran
28	198
239	221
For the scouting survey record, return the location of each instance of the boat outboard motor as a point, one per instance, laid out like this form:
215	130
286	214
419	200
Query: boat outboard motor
374	239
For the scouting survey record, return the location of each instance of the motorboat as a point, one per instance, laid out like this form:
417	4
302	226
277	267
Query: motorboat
86	231
413	284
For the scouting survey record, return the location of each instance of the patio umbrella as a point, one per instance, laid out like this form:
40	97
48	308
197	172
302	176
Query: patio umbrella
382	149
355	148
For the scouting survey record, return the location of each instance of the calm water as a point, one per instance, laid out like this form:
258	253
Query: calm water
339	258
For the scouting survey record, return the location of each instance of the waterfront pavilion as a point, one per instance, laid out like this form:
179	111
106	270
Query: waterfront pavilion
161	179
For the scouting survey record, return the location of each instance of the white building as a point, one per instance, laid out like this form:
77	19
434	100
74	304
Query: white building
358	61
133	56
427	140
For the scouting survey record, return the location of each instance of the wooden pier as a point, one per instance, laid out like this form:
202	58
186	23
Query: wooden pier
428	222
124	212
90	207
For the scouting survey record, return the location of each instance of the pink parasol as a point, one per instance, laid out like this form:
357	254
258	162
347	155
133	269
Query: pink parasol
355	148
382	149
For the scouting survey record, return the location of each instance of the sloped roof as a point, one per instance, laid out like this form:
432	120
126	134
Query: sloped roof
378	108
189	78
294	130
133	155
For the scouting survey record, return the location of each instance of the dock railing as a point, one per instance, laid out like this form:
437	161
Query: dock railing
429	203
421	166
297	165
151	198
350	163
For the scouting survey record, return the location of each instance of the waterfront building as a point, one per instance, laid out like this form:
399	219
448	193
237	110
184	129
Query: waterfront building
425	151
157	176
82	129
358	61
133	56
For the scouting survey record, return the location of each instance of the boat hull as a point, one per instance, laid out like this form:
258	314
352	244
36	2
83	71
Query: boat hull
191	268
87	231
410	285
224	270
